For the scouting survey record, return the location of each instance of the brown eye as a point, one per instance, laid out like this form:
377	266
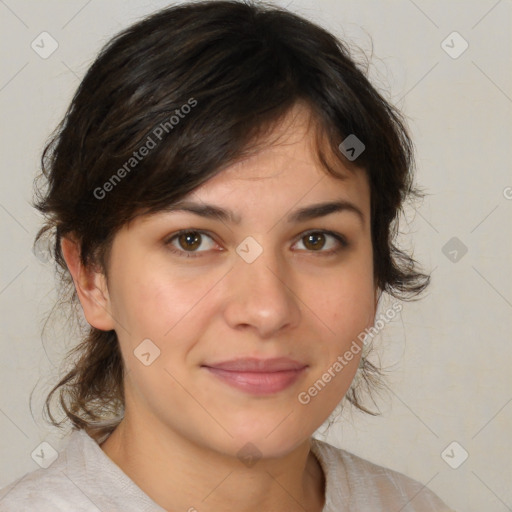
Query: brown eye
190	243
190	240
323	242
314	241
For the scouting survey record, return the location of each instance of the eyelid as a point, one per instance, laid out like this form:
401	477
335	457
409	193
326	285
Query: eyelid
334	234
188	254
340	238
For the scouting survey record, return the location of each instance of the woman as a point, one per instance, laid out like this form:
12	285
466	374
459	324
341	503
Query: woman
222	195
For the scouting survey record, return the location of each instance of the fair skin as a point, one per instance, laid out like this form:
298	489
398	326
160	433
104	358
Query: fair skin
183	426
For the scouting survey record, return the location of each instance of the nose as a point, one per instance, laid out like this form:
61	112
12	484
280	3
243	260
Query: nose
261	296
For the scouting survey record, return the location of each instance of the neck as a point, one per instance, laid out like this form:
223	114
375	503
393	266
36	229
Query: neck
181	475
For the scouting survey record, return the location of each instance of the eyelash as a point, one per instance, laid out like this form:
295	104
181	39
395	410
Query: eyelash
342	241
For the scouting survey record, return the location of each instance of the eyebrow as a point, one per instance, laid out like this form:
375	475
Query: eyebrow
313	211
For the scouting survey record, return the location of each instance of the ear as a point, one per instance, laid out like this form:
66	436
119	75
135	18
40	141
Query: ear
90	285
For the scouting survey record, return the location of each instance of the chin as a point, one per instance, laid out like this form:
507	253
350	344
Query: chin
268	440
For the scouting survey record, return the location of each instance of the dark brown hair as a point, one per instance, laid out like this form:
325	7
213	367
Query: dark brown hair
204	81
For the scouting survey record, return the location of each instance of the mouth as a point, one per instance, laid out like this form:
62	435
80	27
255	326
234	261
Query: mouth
258	376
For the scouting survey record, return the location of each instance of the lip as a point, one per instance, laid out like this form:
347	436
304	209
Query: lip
258	376
253	364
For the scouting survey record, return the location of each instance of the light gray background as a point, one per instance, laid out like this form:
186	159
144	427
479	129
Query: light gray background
449	354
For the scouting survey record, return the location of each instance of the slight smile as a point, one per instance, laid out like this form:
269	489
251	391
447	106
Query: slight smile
258	376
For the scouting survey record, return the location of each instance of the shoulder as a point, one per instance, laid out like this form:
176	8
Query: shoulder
82	479
39	490
48	489
357	483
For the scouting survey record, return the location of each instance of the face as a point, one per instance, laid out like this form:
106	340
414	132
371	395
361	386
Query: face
269	279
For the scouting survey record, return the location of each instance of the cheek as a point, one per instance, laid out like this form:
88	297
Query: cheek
347	303
158	303
142	302
347	309
354	310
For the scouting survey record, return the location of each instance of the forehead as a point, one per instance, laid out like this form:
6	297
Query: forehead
281	175
285	167
294	139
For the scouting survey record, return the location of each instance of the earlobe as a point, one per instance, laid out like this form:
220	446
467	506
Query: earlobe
90	285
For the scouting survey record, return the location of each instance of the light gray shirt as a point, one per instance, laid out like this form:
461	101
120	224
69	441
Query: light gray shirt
85	479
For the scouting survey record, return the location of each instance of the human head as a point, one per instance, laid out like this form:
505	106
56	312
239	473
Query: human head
202	84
